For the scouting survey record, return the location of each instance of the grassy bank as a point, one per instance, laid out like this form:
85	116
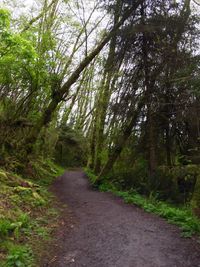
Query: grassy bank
27	216
183	217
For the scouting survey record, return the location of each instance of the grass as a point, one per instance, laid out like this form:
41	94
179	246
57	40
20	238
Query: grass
27	217
182	217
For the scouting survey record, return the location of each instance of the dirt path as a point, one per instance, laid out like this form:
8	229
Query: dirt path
105	232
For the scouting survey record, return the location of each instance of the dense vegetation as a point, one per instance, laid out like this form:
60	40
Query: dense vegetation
28	214
113	85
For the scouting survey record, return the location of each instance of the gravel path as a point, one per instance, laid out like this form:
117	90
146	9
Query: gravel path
105	232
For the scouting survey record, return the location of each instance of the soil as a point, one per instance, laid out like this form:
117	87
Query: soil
100	230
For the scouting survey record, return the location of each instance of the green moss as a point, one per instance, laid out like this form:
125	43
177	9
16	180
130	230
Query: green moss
3	176
25	213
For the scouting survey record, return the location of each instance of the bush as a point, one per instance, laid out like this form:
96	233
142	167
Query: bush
21	221
19	256
71	148
176	184
5	227
135	177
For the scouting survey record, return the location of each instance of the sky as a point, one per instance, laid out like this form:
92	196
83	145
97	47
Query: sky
29	4
198	2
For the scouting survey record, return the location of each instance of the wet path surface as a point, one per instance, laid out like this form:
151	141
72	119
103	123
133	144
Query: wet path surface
105	232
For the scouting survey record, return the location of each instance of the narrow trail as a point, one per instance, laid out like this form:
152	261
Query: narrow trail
105	232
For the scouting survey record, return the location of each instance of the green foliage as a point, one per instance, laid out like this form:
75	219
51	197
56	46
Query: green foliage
19	256
25	212
135	177
71	147
34	65
92	177
5	227
173	184
4	19
14	227
17	55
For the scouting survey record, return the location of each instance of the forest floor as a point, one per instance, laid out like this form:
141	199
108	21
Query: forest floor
100	230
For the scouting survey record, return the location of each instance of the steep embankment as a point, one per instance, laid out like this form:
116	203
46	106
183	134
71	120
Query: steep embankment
27	216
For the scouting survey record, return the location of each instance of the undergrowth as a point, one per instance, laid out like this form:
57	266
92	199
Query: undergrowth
27	217
183	217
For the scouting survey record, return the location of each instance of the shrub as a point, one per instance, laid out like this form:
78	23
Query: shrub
19	256
174	184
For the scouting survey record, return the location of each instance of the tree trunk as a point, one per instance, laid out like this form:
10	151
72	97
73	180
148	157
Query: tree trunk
152	143
122	141
57	97
168	147
106	93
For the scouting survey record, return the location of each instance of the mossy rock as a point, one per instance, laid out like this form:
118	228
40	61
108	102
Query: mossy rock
23	190
3	176
14	180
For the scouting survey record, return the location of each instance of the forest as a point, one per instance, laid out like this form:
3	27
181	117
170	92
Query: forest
109	86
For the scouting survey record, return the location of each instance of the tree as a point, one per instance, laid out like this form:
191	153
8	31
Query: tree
155	56
62	92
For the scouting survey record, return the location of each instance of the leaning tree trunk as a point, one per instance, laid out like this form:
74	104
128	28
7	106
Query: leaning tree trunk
110	68
58	96
122	141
